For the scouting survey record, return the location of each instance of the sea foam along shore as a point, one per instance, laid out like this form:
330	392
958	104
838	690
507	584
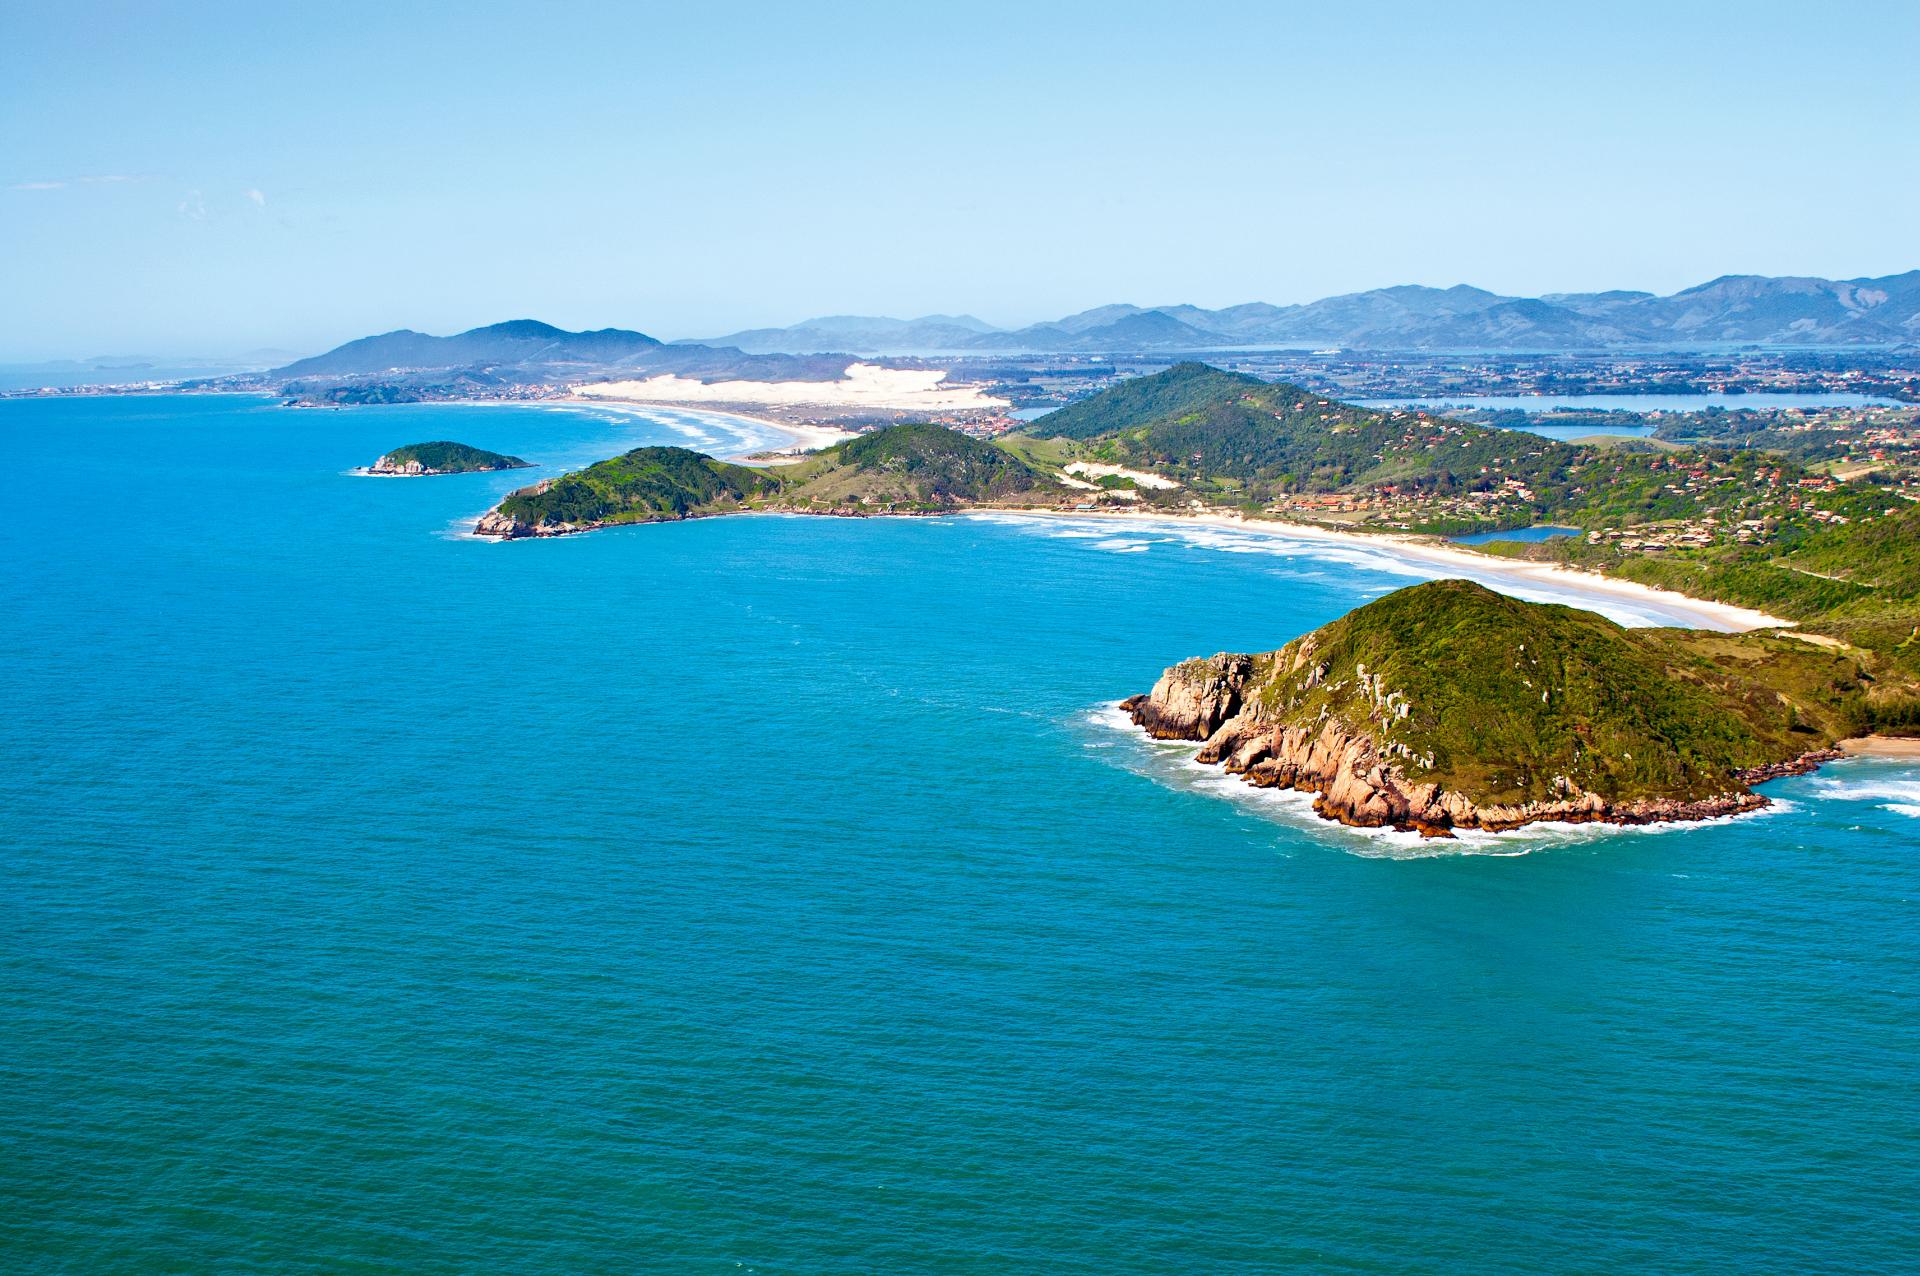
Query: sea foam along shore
1508	575
799	436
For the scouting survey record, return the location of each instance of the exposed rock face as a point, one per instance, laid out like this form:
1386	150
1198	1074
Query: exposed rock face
1191	700
1355	784
405	469
506	527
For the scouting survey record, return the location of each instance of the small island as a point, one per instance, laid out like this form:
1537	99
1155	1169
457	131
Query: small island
1448	706
419	460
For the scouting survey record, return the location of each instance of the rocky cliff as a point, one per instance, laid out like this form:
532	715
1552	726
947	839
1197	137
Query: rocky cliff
1448	707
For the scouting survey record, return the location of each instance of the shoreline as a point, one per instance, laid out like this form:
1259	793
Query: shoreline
1724	617
1903	748
1697	613
1694	613
801	438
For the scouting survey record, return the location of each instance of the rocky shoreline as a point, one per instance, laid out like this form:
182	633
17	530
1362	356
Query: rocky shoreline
387	467
498	526
1356	784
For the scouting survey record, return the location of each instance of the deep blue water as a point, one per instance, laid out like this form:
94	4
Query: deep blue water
1538	532
772	894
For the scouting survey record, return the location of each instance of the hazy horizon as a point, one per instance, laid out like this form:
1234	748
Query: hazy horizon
690	177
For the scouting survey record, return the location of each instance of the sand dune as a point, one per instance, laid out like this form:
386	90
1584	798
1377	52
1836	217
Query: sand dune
864	385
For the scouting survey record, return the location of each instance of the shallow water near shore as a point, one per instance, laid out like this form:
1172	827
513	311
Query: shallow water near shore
778	894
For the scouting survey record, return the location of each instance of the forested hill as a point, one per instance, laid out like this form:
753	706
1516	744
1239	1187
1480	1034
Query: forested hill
1243	439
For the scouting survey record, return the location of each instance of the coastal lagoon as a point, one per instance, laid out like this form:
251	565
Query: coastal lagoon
1635	403
780	894
1632	402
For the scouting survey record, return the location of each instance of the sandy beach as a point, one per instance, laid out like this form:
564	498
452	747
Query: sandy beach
1697	612
863	385
1905	748
801	437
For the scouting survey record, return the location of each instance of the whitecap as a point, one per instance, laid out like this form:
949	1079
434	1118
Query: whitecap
1384	560
1172	763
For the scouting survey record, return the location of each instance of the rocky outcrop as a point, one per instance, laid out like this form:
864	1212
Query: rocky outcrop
498	524
1354	783
1192	699
386	465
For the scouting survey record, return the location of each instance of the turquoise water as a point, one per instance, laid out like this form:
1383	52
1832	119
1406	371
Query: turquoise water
777	895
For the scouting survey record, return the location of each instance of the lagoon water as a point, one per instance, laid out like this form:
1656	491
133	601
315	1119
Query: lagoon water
1636	402
1625	403
778	895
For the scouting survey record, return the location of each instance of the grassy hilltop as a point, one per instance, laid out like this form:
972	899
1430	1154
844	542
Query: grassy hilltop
1502	696
647	484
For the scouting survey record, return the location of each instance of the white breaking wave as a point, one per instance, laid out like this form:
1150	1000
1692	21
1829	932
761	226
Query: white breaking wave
1171	763
1305	548
1901	796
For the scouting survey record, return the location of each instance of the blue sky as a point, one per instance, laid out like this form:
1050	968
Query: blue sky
243	176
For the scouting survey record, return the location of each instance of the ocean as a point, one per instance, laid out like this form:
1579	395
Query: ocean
781	895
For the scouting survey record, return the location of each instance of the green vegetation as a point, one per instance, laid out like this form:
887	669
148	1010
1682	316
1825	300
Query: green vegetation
1509	701
444	458
925	464
1242	440
900	469
644	485
1737	525
1180	391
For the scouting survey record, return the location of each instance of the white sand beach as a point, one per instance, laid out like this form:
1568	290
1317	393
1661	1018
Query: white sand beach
1673	607
864	385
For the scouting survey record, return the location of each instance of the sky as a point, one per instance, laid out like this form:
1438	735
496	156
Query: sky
212	179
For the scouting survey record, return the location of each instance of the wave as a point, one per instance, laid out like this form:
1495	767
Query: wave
1298	548
1900	796
1171	763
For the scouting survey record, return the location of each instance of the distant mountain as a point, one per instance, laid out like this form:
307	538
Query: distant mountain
856	333
518	342
1119	328
1735	309
525	350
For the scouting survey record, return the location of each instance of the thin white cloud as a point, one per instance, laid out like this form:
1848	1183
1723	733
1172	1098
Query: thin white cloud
258	197
60	184
194	207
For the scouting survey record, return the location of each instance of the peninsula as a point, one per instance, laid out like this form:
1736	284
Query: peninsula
1448	706
419	460
901	469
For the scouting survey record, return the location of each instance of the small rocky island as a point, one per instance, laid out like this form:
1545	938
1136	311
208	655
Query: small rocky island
1447	706
418	460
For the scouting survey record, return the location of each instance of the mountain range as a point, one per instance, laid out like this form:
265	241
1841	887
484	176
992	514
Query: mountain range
528	350
1734	309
